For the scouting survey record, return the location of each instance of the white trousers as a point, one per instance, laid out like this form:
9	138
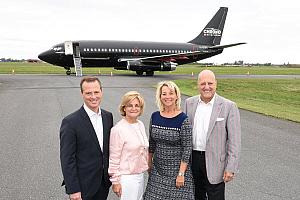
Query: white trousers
132	186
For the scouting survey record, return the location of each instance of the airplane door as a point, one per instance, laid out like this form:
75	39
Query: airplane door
195	48
76	50
73	49
136	51
68	48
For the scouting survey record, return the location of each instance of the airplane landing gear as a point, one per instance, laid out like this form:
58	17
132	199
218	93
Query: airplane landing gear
149	73
139	73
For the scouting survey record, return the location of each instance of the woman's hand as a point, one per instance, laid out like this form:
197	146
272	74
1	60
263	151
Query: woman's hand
179	181
117	189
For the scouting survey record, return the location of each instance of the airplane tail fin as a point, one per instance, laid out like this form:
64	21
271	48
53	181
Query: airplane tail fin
211	35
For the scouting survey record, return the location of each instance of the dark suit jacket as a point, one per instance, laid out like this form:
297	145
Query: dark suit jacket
84	165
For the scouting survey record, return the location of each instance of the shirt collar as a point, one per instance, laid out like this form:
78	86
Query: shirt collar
90	112
211	102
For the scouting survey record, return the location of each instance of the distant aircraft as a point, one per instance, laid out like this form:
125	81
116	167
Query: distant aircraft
139	56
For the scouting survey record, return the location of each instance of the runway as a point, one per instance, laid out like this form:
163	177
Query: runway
32	107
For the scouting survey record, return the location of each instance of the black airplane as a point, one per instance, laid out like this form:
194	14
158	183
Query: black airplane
140	56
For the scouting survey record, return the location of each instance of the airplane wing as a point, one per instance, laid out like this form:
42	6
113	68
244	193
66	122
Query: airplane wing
180	56
169	57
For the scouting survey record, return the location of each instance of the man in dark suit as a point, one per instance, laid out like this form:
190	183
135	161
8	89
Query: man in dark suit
216	138
84	150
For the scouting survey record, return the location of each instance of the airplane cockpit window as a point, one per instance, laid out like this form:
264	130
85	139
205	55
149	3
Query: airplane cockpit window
56	48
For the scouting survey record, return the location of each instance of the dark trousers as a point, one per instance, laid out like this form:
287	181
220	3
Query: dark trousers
203	189
101	194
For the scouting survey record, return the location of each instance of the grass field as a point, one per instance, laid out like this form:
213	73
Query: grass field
43	68
274	97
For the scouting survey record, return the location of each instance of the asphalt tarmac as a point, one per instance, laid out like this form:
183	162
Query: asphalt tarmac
32	107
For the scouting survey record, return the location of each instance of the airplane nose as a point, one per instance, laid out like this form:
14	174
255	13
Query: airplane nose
45	56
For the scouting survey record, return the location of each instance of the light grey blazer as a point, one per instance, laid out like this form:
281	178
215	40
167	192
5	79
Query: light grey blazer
223	143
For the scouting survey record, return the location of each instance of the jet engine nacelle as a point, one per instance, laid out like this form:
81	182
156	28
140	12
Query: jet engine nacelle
169	66
137	65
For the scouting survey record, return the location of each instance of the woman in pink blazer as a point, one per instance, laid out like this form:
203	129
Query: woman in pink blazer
129	145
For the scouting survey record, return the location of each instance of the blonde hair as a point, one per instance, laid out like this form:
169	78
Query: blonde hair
128	97
172	86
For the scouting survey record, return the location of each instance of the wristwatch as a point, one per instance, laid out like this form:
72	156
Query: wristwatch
181	174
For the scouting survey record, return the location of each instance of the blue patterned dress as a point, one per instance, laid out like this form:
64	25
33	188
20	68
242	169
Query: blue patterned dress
170	141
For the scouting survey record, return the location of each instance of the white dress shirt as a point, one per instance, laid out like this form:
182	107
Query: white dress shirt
201	123
96	120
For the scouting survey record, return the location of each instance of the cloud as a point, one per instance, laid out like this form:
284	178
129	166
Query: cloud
30	27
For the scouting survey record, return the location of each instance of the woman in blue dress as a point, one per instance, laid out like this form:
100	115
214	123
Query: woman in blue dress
170	147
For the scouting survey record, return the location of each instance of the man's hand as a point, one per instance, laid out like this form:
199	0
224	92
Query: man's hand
75	196
228	176
117	189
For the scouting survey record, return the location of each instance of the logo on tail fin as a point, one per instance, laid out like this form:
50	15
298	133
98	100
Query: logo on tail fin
212	32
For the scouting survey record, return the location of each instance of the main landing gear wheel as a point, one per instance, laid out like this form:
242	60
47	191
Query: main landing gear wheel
149	73
139	73
68	72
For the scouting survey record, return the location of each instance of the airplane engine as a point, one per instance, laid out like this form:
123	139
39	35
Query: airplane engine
137	65
169	66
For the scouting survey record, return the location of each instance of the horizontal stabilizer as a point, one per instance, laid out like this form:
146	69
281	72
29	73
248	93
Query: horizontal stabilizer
226	46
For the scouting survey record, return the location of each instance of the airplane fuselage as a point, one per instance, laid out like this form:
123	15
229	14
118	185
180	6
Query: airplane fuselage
106	53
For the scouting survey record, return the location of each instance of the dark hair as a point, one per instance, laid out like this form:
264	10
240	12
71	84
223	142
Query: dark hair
89	79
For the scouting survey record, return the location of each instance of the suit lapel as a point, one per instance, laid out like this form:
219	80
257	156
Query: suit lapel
105	130
214	114
194	107
90	129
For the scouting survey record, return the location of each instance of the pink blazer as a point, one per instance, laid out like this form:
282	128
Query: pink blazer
128	151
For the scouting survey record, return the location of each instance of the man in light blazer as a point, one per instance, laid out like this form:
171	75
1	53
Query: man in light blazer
216	138
84	146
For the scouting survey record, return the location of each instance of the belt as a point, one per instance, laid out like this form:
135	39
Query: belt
199	152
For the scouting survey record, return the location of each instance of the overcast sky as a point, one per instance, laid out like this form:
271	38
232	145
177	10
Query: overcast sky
270	28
